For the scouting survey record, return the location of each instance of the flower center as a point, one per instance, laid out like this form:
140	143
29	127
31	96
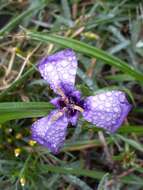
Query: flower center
72	105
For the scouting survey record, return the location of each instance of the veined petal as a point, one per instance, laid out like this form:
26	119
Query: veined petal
50	131
73	119
55	102
107	110
59	68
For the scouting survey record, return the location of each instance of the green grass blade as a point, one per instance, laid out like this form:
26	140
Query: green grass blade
127	129
77	182
124	129
131	142
69	170
95	174
17	19
19	110
66	9
79	145
120	77
87	50
19	106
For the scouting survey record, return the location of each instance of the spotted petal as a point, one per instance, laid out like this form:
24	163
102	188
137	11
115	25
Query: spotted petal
59	68
50	132
107	110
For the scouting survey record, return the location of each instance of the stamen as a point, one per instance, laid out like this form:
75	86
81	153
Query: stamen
56	116
62	94
78	108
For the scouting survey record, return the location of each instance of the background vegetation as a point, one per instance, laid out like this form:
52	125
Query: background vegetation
108	39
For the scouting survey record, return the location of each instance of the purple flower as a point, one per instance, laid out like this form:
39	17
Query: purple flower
106	110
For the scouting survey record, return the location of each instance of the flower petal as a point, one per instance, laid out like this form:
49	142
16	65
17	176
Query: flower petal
107	110
55	102
50	133
59	68
73	119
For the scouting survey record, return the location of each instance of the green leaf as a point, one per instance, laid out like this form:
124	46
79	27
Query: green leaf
19	110
87	50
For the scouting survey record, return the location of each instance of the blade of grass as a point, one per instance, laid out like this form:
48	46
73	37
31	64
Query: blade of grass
95	174
125	129
87	50
77	182
120	77
19	106
19	110
69	170
66	9
18	19
138	110
79	145
92	86
131	142
131	129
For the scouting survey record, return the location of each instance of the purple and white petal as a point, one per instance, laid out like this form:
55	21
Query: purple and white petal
107	110
49	132
73	119
55	102
59	68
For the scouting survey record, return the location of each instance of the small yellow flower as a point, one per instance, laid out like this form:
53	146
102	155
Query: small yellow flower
22	181
18	136
90	35
17	152
9	140
32	143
